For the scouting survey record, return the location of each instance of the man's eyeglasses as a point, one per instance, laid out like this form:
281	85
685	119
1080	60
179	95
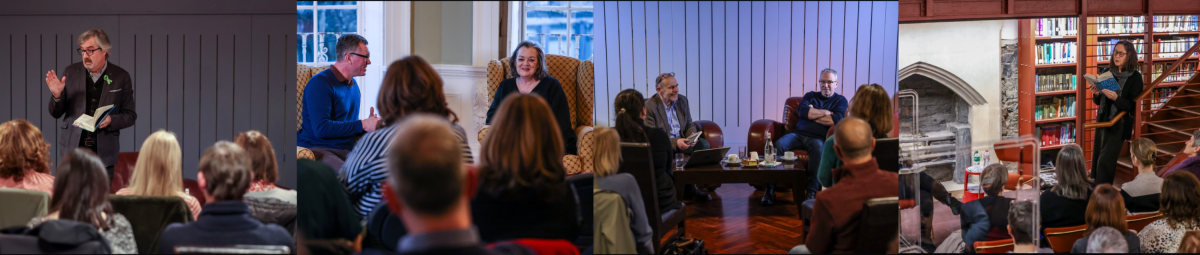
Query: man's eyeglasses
361	55
87	52
827	82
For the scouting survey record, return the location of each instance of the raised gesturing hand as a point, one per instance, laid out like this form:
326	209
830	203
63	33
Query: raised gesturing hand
56	85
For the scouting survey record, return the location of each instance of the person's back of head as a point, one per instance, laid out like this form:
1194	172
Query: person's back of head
261	154
1073	182
225	171
523	150
81	189
411	85
1142	153
629	106
159	167
853	141
1106	208
1179	201
872	103
995	176
22	148
427	180
1020	222
607	151
1107	240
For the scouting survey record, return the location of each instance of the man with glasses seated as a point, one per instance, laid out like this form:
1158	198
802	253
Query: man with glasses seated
331	101
81	94
668	110
817	111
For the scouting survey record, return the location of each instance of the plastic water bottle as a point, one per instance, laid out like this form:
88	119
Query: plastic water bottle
769	151
975	159
987	158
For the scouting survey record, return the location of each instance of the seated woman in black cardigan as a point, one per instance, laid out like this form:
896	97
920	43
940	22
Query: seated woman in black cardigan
528	61
631	110
522	188
1066	204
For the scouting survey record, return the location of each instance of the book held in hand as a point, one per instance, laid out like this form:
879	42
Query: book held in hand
694	137
89	123
1103	81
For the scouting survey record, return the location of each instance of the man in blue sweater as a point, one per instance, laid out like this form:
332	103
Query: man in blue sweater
331	101
816	113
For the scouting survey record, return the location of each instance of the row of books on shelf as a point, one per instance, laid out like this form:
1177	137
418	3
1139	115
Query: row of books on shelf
1176	23
1057	134
1104	48
1183	73
1174	47
1120	25
1056	107
1056	53
1051	27
1160	96
1054	82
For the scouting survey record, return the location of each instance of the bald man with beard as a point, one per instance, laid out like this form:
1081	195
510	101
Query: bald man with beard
836	210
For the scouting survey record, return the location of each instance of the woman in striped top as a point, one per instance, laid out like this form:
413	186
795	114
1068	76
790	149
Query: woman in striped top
410	86
158	171
24	157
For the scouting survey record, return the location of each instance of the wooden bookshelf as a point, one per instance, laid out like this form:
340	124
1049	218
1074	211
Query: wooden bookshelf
1053	120
1028	96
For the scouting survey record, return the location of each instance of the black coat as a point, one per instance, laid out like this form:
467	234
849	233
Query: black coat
522	213
550	90
72	103
1124	102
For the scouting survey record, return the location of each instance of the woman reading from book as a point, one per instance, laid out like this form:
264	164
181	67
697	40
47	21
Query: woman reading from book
1124	68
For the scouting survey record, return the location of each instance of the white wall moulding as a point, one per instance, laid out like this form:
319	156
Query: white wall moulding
466	93
960	87
485	43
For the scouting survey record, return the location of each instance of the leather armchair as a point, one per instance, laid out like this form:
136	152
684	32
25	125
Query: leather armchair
756	139
716	139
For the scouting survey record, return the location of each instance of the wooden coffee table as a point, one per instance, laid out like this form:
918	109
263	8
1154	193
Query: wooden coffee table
717	174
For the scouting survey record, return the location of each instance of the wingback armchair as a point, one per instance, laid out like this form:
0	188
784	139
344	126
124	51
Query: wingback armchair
303	74
578	80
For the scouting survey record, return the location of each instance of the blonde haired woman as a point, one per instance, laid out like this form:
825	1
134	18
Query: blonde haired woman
607	158
158	171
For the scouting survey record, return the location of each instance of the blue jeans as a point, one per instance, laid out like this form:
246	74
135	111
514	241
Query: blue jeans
813	145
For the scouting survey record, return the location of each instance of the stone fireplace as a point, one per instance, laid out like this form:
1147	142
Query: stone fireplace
942	140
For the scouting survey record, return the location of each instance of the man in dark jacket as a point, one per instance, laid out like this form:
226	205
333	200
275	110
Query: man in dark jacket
94	83
429	188
668	110
224	176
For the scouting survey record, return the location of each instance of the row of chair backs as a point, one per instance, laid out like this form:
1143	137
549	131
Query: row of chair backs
149	216
21	205
887	154
232	249
878	224
583	184
1061	239
636	160
997	246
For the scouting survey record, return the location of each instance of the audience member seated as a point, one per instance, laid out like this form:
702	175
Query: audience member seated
1106	209
985	219
1141	194
1105	240
430	189
24	157
54	237
159	171
331	101
668	110
630	107
528	63
81	194
328	214
607	158
818	110
1180	200
1065	205
1190	150
1020	227
871	103
263	168
225	220
523	193
836	211
410	86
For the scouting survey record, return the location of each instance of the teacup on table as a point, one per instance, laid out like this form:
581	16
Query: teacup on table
789	155
754	155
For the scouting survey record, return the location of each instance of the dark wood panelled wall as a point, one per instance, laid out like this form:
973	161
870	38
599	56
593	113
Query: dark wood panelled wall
738	61
205	73
958	10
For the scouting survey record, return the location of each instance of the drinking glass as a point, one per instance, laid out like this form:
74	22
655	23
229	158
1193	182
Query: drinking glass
679	161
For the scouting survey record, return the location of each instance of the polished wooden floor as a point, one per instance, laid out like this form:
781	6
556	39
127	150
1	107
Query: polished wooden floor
735	222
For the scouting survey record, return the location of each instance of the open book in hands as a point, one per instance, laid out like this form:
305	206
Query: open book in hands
89	123
1103	81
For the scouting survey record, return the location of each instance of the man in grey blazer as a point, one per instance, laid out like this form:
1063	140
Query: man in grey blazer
92	83
668	110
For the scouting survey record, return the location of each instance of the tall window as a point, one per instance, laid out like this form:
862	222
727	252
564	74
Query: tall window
561	27
318	26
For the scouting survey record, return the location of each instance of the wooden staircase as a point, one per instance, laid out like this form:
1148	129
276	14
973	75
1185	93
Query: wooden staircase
1169	126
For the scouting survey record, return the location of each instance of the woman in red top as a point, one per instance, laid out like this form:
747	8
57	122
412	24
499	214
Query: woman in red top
24	157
